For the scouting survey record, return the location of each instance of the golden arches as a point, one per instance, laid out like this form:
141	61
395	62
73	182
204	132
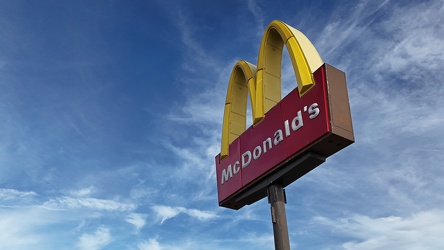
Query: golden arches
235	112
264	83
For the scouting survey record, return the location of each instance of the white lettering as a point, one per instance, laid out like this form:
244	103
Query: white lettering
236	167
257	152
245	163
313	110
297	122
265	143
287	128
278	137
226	174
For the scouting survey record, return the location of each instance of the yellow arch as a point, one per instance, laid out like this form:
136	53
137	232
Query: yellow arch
235	112
264	82
304	57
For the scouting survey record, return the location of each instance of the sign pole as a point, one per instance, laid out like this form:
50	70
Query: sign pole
277	200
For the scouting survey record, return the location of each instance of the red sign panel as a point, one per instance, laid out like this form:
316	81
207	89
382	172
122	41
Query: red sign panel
287	128
294	126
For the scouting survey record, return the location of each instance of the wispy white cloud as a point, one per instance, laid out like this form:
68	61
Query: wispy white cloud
198	122
151	244
11	194
96	240
417	41
201	215
27	226
421	230
197	58
166	212
18	230
251	240
341	30
140	191
258	14
250	213
392	67
88	203
394	167
21	227
137	220
261	241
382	41
83	191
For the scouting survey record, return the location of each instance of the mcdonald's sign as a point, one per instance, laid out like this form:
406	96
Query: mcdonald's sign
290	136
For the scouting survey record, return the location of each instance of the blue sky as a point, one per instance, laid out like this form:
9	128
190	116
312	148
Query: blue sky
111	113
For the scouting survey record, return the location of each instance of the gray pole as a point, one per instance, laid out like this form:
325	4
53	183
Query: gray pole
277	200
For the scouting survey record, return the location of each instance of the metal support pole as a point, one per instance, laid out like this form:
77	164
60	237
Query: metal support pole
277	200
